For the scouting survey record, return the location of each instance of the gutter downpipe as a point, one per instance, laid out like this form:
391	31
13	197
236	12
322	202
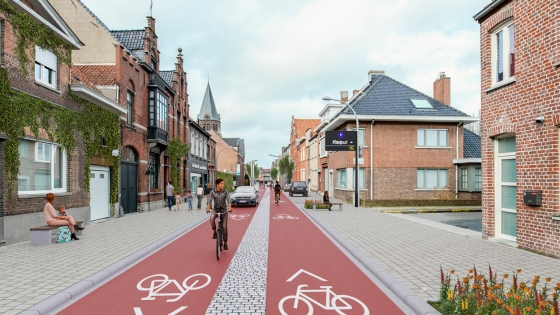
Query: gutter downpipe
371	159
457	157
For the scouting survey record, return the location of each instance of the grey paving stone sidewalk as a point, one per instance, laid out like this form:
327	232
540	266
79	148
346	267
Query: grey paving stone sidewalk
31	274
412	249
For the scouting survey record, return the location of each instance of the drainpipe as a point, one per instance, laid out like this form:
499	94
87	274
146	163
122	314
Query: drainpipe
371	159
457	157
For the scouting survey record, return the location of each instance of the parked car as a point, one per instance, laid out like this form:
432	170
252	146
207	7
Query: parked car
299	187
244	196
287	187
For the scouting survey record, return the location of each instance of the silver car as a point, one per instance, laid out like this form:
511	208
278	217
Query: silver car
244	196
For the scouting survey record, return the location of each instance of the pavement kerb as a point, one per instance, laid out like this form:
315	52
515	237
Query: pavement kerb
412	211
411	299
51	304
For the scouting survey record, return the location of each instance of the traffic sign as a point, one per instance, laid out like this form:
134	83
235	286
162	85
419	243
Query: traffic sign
341	140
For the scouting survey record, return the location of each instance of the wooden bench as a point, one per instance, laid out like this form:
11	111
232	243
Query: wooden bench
339	204
41	235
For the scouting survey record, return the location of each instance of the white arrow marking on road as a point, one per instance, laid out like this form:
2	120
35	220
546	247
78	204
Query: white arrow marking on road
307	272
138	311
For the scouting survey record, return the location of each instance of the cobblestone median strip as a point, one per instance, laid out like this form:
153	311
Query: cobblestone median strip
76	291
243	287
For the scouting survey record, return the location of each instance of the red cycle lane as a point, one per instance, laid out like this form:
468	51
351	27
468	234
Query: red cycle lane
180	278
309	274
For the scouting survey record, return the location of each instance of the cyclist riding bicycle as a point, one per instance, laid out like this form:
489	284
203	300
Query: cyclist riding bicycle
222	205
277	190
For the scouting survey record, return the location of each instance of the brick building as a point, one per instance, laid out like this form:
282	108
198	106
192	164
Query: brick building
300	133
520	122
124	66
45	167
412	146
198	156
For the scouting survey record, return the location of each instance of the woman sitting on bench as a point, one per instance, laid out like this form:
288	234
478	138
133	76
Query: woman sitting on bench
326	199
56	220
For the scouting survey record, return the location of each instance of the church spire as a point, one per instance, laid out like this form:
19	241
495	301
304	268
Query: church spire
208	116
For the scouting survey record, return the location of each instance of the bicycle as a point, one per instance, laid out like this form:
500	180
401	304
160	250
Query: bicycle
219	233
276	197
330	303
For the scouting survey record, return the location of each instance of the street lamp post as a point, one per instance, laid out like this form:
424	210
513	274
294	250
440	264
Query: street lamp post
356	193
252	173
150	172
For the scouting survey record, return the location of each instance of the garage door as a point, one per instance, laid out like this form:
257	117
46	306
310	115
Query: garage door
99	192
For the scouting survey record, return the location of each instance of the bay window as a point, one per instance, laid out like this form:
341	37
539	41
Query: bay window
158	104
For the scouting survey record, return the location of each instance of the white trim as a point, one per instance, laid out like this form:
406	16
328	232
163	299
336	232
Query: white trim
363	118
417	147
467	160
98	99
498	157
502	83
64	166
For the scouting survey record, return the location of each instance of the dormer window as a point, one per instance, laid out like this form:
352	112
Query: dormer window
421	104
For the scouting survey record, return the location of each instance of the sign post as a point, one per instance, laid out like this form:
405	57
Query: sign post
342	140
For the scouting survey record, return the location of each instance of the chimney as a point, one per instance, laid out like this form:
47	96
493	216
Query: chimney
371	73
442	89
354	92
344	96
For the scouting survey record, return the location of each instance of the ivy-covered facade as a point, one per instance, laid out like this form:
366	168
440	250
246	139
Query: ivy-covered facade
48	139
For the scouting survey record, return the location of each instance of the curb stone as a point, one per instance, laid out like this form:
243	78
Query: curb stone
50	305
411	299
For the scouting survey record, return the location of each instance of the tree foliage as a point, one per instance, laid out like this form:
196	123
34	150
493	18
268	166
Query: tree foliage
177	150
274	173
286	167
255	173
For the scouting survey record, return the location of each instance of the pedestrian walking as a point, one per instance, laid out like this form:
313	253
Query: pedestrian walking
170	192
189	199
208	190
177	201
199	194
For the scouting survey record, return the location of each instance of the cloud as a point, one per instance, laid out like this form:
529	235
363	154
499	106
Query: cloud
269	60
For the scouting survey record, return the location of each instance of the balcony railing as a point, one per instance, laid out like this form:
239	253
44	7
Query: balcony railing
154	133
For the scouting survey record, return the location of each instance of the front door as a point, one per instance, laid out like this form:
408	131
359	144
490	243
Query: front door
99	192
129	187
506	189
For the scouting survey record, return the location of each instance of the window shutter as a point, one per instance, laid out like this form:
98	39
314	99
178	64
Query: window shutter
45	57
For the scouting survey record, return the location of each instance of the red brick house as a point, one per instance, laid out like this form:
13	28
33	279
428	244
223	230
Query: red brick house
45	165
413	146
520	122
298	145
125	67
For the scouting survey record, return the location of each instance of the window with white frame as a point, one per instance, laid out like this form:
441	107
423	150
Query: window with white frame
478	178
431	178
464	178
432	138
323	152
503	52
192	143
42	167
45	67
129	103
341	176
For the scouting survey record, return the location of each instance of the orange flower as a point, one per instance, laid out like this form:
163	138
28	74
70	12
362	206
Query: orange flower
528	308
548	279
518	270
508	295
470	271
452	271
465	280
505	275
537	278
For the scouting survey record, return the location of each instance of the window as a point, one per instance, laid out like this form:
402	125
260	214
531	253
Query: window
478	178
153	163
323	152
178	119
215	127
185	130
42	167
45	67
421	104
341	174
431	178
129	103
503	53
464	178
192	145
158	109
432	138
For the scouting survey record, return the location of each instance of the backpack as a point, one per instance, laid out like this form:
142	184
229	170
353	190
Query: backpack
63	235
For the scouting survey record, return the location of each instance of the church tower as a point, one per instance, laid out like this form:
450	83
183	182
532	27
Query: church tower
208	117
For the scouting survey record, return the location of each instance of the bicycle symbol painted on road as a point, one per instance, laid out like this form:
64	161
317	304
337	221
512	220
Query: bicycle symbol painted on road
283	216
161	281
332	301
238	216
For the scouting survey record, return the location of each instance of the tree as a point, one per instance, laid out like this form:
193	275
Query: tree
274	173
286	167
475	127
256	171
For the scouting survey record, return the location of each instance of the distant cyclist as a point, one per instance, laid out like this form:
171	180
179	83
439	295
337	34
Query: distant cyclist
222	204
277	190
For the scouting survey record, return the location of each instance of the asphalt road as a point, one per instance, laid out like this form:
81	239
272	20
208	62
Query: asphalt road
467	220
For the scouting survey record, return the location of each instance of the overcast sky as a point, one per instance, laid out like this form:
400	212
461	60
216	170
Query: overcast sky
269	60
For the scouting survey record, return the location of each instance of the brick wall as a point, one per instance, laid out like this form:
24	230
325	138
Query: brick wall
512	110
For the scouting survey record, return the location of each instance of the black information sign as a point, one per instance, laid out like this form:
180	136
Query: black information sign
340	140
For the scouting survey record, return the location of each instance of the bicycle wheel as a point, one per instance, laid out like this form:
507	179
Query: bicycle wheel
296	306
218	243
349	304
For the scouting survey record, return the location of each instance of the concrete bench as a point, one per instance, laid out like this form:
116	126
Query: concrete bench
41	235
339	204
